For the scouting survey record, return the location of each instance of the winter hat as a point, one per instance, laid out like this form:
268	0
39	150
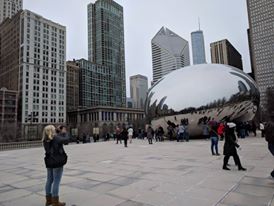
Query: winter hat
231	124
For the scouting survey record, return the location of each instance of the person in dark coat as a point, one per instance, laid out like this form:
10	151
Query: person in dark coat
124	136
53	141
150	134
230	147
269	137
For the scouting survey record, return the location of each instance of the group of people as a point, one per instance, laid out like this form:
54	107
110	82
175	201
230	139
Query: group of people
55	156
214	131
124	134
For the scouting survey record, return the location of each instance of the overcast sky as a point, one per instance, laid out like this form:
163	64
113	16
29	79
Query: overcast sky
143	18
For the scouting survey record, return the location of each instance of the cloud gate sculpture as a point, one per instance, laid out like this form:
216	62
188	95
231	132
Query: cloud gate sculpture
202	91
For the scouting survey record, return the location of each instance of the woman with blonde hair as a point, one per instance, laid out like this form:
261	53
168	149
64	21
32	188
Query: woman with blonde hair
55	158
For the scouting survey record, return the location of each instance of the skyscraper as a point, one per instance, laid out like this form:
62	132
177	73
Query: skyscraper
223	52
106	45
198	47
73	71
9	8
138	90
169	52
32	62
261	18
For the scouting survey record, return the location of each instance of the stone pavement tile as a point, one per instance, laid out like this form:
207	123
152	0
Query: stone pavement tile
99	177
244	200
88	199
257	191
30	200
154	198
27	183
132	203
11	178
208	194
123	181
188	201
77	197
125	192
84	184
13	194
5	188
104	188
36	188
266	182
68	179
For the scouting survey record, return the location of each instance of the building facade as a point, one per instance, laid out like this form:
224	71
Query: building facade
73	88
8	115
138	90
95	84
169	52
106	45
223	52
37	66
106	119
198	47
261	18
8	8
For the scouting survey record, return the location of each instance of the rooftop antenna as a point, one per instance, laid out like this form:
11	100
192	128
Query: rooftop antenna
199	23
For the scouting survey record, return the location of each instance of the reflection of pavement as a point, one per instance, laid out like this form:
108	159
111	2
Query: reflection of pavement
167	174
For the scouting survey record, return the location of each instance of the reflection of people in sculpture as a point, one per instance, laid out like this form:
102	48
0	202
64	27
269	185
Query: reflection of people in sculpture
230	147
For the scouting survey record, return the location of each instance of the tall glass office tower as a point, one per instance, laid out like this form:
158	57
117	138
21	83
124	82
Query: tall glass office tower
106	45
169	52
198	47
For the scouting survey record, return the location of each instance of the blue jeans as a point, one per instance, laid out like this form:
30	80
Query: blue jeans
214	144
54	176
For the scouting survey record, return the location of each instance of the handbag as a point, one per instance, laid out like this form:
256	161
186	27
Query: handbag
55	158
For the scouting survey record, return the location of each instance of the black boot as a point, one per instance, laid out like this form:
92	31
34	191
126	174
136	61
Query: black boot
242	169
225	168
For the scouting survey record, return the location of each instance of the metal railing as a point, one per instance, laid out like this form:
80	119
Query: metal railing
20	145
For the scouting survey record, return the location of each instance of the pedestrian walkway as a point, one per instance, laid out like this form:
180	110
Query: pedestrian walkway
162	174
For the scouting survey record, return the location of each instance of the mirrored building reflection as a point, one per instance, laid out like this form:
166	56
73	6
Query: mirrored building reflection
211	91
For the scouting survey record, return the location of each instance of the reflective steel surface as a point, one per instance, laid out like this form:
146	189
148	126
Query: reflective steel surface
207	90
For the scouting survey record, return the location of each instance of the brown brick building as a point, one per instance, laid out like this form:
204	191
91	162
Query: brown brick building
72	85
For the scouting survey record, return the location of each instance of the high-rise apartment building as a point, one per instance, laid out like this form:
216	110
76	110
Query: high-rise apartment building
169	52
198	47
106	45
223	52
73	75
32	61
138	90
95	84
8	8
261	18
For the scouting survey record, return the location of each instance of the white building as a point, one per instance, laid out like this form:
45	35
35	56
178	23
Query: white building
198	47
138	90
9	8
43	68
169	52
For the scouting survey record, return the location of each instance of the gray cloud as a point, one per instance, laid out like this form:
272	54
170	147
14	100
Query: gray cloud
143	18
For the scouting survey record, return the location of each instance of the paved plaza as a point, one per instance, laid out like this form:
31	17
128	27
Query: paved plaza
162	174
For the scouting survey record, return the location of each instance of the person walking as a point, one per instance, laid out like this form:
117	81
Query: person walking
130	134
269	137
205	129
230	146
118	135
181	131
124	135
150	134
221	130
214	139
55	158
